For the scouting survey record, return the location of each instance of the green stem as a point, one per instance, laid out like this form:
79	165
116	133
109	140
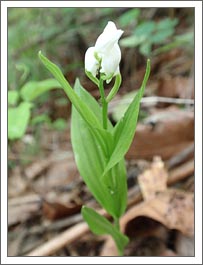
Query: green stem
115	88
117	224
105	114
92	78
104	104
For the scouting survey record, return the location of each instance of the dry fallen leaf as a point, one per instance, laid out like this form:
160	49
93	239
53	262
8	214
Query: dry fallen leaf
163	134
173	208
153	180
170	86
56	210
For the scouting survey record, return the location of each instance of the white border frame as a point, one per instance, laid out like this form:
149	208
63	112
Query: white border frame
198	136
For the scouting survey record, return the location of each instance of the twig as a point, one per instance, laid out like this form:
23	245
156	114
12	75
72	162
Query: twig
152	101
180	157
29	199
61	240
157	99
57	225
134	196
183	171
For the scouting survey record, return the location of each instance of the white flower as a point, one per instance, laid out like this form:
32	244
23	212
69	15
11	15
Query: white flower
91	64
105	56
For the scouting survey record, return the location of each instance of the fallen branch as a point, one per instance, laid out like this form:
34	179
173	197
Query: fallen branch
180	173
154	100
61	240
181	157
151	101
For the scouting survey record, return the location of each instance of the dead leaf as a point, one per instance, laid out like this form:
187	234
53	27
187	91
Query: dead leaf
57	210
173	208
181	87
163	134
153	180
61	173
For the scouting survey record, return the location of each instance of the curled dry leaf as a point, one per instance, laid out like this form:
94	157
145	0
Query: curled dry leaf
172	207
153	180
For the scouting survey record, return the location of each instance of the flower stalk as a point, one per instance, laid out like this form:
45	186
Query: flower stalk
99	147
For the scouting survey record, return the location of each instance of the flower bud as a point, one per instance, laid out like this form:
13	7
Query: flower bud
105	56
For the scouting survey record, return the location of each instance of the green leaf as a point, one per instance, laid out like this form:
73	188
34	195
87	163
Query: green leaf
92	148
129	16
18	119
42	118
60	124
161	35
132	41
140	35
13	97
145	48
99	225
34	89
25	71
186	38
87	114
145	28
186	41
125	129
166	24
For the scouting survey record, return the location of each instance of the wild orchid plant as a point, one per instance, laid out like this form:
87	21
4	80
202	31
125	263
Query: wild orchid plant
99	148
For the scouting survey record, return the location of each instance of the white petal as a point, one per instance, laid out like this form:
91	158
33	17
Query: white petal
91	64
110	62
110	26
108	38
117	72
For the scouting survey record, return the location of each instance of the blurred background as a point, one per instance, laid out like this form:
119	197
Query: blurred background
45	191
